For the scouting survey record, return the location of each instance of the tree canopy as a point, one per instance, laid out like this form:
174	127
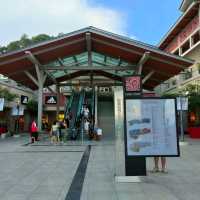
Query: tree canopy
25	41
4	93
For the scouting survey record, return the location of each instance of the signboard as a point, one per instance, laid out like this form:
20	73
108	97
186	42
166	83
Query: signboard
24	100
50	100
151	127
132	84
17	111
1	104
182	103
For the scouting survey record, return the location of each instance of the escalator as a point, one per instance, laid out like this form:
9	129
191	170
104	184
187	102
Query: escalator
74	108
69	104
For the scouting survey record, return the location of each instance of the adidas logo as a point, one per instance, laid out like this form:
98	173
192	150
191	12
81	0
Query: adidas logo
25	100
51	100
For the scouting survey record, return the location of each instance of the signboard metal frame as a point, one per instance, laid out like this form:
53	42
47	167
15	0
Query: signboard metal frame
125	128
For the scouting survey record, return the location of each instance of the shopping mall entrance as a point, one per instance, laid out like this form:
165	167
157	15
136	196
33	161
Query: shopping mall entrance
85	66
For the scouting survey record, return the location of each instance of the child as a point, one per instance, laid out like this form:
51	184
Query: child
54	133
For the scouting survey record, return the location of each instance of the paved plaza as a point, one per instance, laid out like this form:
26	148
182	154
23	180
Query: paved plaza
52	172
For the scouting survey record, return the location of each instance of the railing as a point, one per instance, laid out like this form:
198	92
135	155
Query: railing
69	104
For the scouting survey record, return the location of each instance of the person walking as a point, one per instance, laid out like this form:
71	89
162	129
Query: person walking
55	133
61	128
86	113
86	126
34	132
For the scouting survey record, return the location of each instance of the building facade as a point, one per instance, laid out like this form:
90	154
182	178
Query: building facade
8	118
183	39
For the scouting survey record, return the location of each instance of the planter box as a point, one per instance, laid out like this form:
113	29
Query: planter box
194	132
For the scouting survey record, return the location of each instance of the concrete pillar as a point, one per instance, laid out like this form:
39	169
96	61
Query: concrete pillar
58	101
119	131
96	105
40	105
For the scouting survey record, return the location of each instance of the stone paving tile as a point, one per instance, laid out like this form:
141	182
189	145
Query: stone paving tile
33	173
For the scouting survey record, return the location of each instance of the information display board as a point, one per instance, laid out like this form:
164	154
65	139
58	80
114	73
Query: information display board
151	128
182	103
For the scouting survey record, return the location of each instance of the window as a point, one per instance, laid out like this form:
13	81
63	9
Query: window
196	37
176	52
174	82
188	74
185	46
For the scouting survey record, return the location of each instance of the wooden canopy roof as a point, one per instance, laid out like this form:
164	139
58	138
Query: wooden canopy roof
159	65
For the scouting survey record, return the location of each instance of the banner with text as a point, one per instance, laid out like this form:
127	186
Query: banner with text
1	104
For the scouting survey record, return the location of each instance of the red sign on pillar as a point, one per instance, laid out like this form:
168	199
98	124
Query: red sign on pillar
133	84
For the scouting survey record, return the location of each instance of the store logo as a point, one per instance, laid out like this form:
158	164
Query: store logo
24	99
133	84
50	100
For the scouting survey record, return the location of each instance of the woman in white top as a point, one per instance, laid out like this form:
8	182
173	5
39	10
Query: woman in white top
86	126
86	112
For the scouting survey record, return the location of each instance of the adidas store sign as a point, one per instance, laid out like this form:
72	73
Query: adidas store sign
50	100
24	100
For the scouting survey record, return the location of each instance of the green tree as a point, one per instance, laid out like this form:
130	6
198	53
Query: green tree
32	107
40	38
13	46
193	93
25	41
8	96
3	49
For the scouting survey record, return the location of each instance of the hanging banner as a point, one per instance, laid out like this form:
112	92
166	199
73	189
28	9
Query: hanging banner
50	100
151	127
1	104
17	111
182	103
24	100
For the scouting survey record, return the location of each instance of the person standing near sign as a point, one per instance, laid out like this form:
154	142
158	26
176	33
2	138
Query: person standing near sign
156	165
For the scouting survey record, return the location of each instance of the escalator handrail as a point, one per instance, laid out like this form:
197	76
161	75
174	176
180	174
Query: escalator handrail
93	102
80	104
69	103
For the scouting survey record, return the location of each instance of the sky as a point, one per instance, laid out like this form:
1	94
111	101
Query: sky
144	20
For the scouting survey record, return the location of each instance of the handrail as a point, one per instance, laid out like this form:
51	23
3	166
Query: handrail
80	104
93	108
69	103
